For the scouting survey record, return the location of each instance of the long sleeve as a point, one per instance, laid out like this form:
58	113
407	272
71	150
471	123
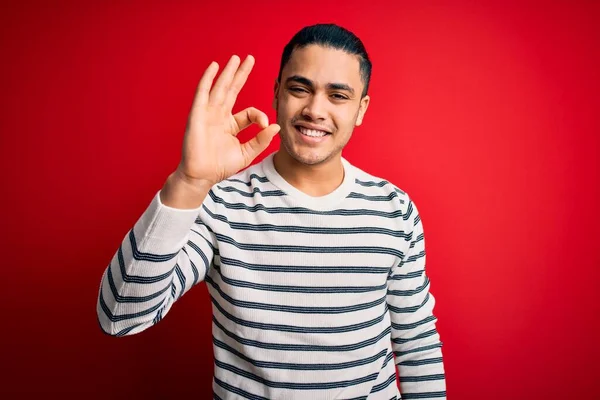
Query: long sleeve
415	340
164	255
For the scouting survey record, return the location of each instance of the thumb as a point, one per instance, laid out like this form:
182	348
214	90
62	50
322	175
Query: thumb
253	147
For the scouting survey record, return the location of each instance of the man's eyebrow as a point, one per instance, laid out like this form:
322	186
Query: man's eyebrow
331	86
300	79
340	86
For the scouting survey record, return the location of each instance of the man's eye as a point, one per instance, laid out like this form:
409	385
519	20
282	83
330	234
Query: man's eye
339	96
298	89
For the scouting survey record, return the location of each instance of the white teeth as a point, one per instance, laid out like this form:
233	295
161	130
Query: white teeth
311	132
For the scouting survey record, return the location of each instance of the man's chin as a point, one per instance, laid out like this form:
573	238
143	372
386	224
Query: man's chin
304	154
310	157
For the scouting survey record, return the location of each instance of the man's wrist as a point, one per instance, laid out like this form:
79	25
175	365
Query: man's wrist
183	193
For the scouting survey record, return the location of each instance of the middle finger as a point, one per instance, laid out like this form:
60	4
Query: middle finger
219	90
239	80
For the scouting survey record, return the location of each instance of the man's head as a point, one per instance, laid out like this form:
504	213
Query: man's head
322	87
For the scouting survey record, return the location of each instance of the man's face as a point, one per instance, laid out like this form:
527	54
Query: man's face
319	92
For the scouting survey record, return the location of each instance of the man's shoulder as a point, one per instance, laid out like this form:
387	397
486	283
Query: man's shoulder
371	184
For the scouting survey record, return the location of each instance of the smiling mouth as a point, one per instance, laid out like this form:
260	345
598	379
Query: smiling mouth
311	132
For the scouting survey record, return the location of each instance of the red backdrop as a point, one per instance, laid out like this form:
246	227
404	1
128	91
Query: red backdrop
486	114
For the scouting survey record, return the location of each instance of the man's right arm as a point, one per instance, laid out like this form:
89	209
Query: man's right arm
170	249
167	251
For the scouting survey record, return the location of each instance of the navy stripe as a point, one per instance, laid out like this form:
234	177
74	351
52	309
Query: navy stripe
210	245
181	279
422	378
104	330
299	367
125	331
201	224
412	274
302	347
297	329
266	193
203	256
138	255
400	327
423	335
122	332
388	358
409	211
116	318
418	349
417	220
297	289
194	269
410	292
309	229
416	363
294	385
130	299
310	249
384	385
389	197
195	272
238	391
261	179
302	210
146	257
414	257
411	309
417	240
293	309
322	269
423	395
371	183
158	317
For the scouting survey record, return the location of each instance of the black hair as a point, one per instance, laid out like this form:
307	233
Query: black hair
334	36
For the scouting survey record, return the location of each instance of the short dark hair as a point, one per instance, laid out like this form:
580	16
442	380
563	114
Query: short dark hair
334	36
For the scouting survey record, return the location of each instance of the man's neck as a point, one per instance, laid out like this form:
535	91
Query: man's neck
314	180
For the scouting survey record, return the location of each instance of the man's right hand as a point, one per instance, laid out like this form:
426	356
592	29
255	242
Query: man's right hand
211	151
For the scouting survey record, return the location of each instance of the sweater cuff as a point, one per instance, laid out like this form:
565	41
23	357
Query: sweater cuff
162	229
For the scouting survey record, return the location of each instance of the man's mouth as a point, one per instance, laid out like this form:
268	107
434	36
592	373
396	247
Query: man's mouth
311	132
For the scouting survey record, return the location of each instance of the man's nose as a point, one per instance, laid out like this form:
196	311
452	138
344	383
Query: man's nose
316	108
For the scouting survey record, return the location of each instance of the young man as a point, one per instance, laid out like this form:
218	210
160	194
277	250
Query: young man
316	269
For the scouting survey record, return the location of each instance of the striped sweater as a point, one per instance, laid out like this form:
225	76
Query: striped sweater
312	297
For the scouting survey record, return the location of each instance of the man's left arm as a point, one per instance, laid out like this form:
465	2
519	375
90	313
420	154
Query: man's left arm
415	340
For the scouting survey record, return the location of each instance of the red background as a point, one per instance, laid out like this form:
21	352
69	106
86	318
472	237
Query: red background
487	115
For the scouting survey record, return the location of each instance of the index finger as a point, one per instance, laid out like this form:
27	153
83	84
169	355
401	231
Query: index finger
250	116
240	78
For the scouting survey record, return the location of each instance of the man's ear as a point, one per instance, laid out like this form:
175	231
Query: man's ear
275	94
364	104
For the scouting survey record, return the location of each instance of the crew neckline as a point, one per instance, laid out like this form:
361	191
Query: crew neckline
305	200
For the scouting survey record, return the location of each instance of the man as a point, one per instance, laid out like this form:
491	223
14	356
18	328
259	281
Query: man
316	269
